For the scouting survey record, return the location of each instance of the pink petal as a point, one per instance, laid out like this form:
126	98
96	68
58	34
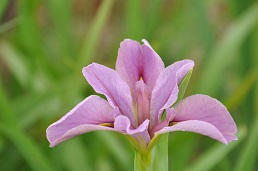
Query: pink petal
165	92
84	117
209	111
200	127
122	124
152	65
142	95
137	61
106	81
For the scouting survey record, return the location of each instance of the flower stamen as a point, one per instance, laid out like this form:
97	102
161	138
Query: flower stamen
107	125
172	123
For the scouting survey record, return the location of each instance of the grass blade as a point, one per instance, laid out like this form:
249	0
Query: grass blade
211	75
92	38
134	25
75	148
9	25
61	17
214	155
249	154
248	157
242	91
6	112
15	62
26	146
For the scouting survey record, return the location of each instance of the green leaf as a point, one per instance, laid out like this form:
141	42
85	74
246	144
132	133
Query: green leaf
222	55
161	153
216	153
183	85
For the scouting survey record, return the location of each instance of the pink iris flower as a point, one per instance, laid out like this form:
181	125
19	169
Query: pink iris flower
141	94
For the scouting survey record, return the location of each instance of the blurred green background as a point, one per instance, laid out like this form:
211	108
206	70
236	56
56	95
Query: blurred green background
45	43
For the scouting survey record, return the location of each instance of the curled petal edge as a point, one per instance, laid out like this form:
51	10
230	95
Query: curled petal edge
122	124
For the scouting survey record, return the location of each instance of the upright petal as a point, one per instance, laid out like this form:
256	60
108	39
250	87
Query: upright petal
86	116
122	124
137	61
210	114
106	81
165	92
128	62
142	95
152	65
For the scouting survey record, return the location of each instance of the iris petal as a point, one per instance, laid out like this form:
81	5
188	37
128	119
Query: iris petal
122	123
209	113
85	117
106	81
165	92
137	61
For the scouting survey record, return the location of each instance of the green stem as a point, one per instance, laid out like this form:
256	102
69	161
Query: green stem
142	161
153	159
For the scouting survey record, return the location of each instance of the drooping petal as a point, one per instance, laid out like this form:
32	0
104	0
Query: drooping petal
85	117
142	95
122	124
137	61
165	92
208	111
196	126
106	81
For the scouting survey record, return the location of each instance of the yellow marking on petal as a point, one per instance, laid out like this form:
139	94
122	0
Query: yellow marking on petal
172	123
141	78
107	125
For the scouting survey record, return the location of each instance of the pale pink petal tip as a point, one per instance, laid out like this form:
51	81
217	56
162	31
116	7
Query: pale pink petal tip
146	43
